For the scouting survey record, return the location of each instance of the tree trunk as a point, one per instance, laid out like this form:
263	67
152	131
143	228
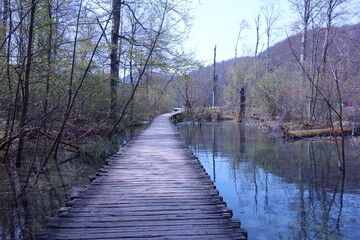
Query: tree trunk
313	72
6	51
257	25
305	24
49	67
242	105
303	53
24	112
214	81
321	71
70	90
114	59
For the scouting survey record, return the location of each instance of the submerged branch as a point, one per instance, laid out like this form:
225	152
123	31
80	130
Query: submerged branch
31	132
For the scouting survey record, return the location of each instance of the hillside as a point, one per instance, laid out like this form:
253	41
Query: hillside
282	88
345	43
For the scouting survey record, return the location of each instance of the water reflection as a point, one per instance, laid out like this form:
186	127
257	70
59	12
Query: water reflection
23	213
280	190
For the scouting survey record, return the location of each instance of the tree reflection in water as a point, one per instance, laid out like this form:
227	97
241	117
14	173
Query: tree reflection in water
23	211
281	190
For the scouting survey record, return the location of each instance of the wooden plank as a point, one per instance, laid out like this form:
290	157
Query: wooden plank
141	234
141	212
134	208
150	203
154	188
200	224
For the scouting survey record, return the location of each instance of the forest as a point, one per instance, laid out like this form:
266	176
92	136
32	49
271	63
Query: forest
73	72
73	69
311	77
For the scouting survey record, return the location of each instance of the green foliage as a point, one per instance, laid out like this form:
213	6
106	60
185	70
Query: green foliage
267	93
67	91
239	75
302	122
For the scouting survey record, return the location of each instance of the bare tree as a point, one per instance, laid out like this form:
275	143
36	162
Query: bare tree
271	16
5	51
308	10
26	90
213	104
304	9
156	33
242	27
258	36
331	12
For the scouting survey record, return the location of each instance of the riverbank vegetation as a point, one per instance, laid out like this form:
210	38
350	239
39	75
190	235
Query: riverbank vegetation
74	69
77	69
309	80
70	70
74	74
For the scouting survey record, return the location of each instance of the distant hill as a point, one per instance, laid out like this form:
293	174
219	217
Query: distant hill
281	84
346	40
345	43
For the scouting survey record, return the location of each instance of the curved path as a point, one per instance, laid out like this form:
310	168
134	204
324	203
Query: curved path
154	188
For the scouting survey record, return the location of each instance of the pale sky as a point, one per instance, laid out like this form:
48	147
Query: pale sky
217	22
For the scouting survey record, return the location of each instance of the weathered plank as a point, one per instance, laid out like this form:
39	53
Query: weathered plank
154	188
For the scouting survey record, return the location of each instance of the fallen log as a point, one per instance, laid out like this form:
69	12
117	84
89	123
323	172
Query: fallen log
324	132
12	138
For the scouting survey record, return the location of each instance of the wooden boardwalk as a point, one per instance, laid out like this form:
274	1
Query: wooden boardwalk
154	188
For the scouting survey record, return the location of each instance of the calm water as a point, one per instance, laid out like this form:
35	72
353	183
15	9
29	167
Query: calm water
280	190
22	215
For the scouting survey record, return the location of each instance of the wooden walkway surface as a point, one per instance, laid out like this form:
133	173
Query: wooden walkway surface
154	188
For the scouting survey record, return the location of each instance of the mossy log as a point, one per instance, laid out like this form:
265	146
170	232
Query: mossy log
324	132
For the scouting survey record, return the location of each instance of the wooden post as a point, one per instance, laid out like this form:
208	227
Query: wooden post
241	115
